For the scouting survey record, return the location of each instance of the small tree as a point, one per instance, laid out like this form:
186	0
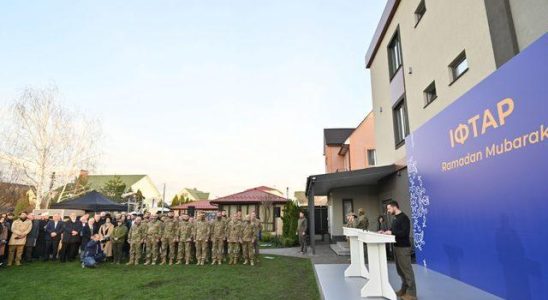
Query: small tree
22	206
175	201
114	188
139	199
290	220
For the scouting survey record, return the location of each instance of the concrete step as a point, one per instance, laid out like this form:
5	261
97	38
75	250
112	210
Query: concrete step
340	249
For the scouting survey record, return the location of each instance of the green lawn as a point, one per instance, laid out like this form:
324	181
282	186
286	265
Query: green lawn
277	278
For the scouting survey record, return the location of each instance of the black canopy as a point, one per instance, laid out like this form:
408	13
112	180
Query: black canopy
92	201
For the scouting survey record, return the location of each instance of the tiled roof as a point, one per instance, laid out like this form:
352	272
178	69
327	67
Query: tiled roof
99	181
255	195
199	205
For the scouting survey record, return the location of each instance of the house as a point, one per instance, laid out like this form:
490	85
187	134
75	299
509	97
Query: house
13	193
424	55
193	194
195	207
152	197
261	200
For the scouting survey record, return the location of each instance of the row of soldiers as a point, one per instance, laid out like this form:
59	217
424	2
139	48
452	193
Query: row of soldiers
174	238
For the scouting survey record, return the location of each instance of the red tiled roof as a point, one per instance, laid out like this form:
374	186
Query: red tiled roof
199	205
255	195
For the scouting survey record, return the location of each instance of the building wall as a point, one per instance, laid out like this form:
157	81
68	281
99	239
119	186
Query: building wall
363	197
362	139
149	191
446	29
333	161
530	20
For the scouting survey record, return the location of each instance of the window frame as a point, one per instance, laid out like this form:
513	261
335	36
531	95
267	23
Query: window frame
368	151
397	127
420	11
392	71
427	92
455	63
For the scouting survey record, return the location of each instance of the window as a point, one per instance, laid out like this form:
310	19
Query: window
348	207
430	94
394	54
371	157
401	125
459	66
419	12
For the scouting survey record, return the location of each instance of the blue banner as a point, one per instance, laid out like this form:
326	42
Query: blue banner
478	180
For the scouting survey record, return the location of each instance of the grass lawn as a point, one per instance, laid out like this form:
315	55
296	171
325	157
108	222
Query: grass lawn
277	278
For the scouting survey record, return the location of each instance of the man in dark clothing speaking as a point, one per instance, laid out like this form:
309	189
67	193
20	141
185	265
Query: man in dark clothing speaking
402	251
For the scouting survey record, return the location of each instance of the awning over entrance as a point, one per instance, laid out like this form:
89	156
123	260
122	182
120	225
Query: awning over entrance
320	185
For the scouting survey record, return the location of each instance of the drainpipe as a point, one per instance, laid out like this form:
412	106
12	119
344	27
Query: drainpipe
311	208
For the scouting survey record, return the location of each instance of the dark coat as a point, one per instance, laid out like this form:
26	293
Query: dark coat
50	227
32	237
92	248
67	231
85	234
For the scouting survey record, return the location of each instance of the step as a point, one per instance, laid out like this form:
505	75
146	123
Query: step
340	250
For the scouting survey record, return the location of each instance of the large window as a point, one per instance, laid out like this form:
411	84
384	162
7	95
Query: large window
459	66
401	124
394	54
371	157
348	207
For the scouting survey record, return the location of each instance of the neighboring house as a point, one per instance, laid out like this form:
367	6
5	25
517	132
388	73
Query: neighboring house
266	205
152	197
193	194
13	193
202	206
302	200
424	55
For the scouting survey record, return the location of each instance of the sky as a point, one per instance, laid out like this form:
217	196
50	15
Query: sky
217	95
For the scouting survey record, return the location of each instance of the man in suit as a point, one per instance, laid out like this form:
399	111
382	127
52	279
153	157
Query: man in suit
71	238
32	237
302	227
86	232
54	229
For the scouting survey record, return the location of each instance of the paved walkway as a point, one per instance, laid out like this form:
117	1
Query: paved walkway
324	254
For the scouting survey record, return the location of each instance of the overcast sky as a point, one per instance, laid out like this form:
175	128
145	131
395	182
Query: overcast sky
218	95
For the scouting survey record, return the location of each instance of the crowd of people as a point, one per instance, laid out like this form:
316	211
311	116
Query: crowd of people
147	239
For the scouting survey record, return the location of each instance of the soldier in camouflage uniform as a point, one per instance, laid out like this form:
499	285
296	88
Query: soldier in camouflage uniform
253	218
362	222
154	233
234	237
249	234
184	236
144	224
218	235
225	220
119	234
201	236
169	236
136	237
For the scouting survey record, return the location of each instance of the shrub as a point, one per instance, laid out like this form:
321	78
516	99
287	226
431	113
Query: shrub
267	237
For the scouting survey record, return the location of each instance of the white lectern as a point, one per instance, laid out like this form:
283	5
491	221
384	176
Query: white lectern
357	261
378	284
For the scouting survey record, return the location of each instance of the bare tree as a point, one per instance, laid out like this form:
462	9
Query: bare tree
44	143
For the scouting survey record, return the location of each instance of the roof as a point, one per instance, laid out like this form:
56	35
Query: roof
302	200
322	184
269	190
199	205
386	18
254	195
336	136
91	201
99	181
197	194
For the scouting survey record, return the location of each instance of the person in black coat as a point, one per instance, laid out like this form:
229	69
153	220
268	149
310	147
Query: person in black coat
86	233
32	237
39	250
71	238
54	230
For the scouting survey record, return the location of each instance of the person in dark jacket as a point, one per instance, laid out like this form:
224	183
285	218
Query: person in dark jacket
93	254
86	232
71	238
302	227
39	250
32	237
54	230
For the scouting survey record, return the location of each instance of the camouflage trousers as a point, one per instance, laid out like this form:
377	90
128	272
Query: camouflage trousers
152	250
201	250
217	249
168	244
233	249
135	252
183	252
248	250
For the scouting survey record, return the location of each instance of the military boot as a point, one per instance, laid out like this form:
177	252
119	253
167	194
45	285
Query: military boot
252	263
187	262
147	263
220	262
163	262
245	262
235	260
129	263
178	262
170	261
213	261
